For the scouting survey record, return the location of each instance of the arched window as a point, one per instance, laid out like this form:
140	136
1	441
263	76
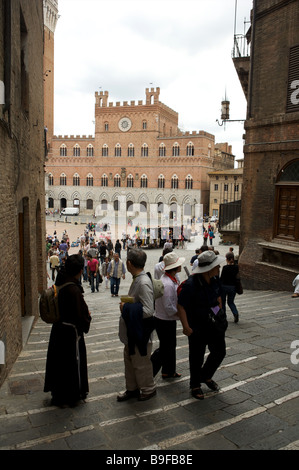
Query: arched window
76	180
143	181
160	207
117	150
106	127
50	179
144	150
104	180
117	181
105	150
130	206
63	150
50	203
62	179
190	149
174	182
144	125
89	151
161	182
131	150
104	204
143	206
286	215
176	150
76	151
89	180
189	182
173	210
89	204
130	181
162	150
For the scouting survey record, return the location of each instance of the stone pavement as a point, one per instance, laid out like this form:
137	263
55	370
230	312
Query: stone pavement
256	408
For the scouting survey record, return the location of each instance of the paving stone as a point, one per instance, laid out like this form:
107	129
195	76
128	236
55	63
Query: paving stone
104	424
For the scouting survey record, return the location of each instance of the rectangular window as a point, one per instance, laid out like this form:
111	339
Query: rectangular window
226	187
215	187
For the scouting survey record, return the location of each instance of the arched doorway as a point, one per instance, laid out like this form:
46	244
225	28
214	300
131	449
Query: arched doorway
286	215
62	203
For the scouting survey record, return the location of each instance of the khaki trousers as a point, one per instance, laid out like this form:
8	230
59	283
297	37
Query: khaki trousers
139	371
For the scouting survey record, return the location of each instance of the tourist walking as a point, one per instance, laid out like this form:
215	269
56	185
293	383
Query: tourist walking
93	273
199	303
296	285
166	317
135	328
104	268
228	280
116	270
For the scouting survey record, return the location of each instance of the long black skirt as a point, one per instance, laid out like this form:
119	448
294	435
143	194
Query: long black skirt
66	368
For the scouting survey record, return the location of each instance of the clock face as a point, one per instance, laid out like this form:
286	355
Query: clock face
125	124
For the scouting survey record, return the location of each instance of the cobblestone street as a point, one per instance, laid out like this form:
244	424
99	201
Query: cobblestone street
256	408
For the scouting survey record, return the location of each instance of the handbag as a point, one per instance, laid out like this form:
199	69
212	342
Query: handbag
218	318
239	287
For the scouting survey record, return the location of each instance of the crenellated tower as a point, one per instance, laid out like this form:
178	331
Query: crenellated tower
50	21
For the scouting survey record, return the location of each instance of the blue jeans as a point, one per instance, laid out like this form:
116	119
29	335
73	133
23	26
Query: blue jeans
114	285
92	279
229	294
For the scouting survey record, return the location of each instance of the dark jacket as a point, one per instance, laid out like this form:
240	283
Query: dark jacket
139	329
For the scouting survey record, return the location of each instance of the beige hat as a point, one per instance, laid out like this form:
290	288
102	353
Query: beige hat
172	260
207	261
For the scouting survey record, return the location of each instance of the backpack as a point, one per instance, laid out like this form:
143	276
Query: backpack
48	303
158	287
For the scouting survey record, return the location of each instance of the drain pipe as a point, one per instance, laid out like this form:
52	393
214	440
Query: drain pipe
7	57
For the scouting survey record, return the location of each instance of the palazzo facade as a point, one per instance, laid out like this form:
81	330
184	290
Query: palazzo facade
138	160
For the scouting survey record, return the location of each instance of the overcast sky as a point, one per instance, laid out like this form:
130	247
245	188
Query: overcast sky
125	46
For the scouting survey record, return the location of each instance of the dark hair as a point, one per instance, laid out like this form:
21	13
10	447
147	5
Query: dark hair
74	264
229	256
137	257
166	250
204	248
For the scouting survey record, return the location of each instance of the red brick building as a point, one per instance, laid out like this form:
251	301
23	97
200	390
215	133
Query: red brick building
137	159
270	204
22	156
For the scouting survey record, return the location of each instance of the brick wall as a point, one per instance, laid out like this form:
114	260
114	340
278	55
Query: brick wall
271	142
22	222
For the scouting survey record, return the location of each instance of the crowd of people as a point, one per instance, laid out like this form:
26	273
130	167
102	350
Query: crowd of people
102	258
199	303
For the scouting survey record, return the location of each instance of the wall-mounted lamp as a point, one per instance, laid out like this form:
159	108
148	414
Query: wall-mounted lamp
225	113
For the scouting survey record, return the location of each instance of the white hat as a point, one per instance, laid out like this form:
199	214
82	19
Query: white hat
172	260
207	261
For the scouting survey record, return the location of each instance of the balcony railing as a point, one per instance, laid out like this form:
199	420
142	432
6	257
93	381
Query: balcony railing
241	46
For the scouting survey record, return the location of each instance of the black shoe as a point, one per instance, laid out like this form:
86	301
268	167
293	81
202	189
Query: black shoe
146	396
236	318
197	393
212	385
127	395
